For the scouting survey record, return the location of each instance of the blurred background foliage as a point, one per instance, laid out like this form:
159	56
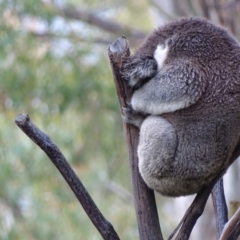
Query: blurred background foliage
54	66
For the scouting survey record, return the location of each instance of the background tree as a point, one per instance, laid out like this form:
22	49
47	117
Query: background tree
54	66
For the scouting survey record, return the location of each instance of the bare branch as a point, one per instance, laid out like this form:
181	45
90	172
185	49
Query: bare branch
196	209
220	206
145	204
192	214
45	143
232	228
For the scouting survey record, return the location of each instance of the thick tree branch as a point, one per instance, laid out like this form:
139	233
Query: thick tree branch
220	206
145	205
44	142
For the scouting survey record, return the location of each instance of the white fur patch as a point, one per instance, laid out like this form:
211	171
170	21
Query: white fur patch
157	108
160	55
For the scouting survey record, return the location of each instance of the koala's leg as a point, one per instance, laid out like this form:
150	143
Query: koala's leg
156	152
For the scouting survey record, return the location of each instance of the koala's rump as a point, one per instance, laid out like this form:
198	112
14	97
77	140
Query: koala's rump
204	147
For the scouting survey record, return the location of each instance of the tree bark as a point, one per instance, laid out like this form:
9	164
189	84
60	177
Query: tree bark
232	228
220	206
145	204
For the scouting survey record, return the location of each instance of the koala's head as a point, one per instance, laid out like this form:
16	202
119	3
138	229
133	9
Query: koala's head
190	38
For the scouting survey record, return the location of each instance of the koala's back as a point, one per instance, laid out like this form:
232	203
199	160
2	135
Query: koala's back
204	147
197	91
207	132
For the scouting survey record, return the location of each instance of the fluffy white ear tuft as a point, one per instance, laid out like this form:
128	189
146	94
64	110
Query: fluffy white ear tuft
160	55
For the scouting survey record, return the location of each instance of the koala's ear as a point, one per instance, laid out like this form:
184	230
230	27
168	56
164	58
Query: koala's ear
160	55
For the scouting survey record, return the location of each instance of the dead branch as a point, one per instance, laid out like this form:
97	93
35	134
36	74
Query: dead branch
145	204
220	206
196	208
232	228
45	143
192	214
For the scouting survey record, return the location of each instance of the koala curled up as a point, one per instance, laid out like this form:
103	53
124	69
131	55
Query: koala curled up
186	102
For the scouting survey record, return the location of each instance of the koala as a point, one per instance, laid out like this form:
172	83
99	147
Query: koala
185	80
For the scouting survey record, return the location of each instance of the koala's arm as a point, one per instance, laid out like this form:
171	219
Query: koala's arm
137	69
176	86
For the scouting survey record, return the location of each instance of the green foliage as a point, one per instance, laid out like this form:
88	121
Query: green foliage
66	87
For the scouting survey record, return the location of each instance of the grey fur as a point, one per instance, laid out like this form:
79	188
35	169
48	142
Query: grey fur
187	105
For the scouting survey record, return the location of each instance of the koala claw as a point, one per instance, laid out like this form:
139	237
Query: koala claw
136	70
131	117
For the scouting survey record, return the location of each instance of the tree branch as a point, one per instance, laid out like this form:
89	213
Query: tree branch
192	214
44	142
220	206
145	204
232	228
196	208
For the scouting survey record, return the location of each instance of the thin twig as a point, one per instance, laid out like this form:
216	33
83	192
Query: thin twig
45	143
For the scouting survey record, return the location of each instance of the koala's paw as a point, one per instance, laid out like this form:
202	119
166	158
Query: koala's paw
132	117
136	69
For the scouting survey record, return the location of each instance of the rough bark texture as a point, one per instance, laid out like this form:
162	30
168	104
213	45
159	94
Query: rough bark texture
145	205
220	206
